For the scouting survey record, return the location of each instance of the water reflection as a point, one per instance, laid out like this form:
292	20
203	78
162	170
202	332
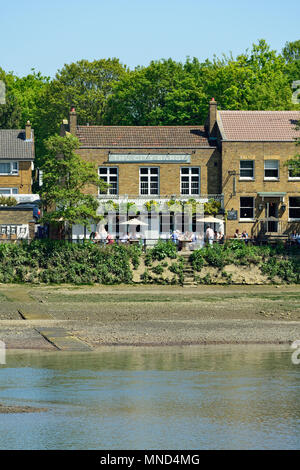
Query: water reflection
189	397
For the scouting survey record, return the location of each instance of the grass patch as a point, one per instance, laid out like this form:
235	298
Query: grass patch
3	298
118	298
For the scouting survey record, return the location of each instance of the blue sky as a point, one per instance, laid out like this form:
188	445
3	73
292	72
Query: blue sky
46	35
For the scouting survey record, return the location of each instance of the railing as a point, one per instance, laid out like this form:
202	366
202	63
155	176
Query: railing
162	199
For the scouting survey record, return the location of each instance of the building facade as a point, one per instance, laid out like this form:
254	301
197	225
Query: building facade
261	195
16	161
151	165
238	158
16	165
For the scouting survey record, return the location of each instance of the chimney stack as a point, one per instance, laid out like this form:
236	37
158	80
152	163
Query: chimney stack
64	128
212	115
28	131
73	120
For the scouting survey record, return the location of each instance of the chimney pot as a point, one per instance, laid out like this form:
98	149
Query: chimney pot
212	115
28	131
73	121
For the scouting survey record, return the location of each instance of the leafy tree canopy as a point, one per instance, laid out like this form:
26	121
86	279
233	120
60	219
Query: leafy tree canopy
10	112
84	84
65	177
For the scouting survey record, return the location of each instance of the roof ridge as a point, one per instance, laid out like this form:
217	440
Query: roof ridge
257	111
140	127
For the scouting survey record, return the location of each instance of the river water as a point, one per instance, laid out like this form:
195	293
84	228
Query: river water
209	397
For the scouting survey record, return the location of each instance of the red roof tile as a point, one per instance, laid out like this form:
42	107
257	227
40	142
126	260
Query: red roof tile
142	136
259	125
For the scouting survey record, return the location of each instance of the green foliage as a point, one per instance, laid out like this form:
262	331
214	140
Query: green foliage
158	269
283	268
8	201
85	85
152	205
10	112
271	260
65	175
294	163
291	51
165	92
212	207
55	262
162	250
61	262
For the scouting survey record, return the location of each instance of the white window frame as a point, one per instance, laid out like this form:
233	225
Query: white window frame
14	168
271	178
293	219
293	178
11	193
108	176
247	178
189	175
148	175
249	219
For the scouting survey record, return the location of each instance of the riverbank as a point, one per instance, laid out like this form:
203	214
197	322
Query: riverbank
150	316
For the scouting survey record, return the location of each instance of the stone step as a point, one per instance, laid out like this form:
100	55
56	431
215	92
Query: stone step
63	340
35	315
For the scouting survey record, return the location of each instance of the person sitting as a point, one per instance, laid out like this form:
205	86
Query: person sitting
237	234
295	238
244	234
124	238
220	237
109	239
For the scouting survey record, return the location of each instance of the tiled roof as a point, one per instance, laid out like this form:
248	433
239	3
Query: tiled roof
259	125
142	136
13	145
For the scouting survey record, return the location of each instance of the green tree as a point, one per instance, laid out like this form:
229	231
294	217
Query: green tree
294	163
168	92
28	90
10	112
164	93
291	51
84	84
65	178
255	80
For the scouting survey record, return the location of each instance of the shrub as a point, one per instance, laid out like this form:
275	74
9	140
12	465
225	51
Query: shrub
159	269
163	250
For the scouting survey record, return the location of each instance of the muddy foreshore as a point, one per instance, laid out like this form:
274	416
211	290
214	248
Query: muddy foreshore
150	315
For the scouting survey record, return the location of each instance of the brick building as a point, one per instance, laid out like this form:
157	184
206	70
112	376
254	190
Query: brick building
237	158
16	165
260	194
16	161
152	163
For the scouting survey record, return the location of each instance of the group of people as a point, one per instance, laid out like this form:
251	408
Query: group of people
295	238
213	236
102	237
244	235
106	238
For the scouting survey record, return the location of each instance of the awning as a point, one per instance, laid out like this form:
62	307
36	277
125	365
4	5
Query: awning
272	194
210	220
